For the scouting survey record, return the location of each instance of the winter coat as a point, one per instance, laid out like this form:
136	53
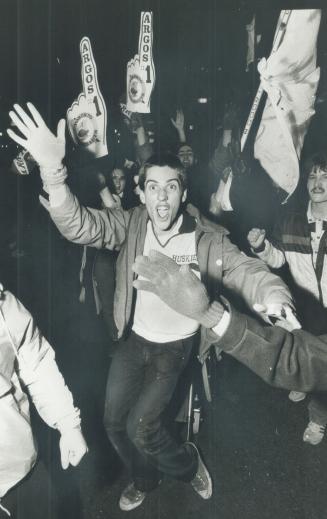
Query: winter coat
27	361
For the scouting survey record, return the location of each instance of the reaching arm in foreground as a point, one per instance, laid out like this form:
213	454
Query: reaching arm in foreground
291	360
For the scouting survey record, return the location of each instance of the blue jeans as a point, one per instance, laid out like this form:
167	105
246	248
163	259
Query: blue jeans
142	379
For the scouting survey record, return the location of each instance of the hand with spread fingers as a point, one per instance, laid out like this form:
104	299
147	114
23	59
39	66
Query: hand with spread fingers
175	285
87	117
179	121
47	149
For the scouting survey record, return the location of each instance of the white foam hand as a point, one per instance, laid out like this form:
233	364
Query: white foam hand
87	117
140	78
47	149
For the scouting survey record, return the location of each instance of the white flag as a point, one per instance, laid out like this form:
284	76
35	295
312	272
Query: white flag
290	77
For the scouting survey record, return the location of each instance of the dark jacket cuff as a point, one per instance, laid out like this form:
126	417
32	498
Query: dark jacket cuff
235	331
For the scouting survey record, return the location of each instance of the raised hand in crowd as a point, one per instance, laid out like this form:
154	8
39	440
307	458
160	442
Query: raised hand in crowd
47	148
178	123
256	238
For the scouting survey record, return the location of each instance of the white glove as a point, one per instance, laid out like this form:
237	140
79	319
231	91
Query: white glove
72	447
47	149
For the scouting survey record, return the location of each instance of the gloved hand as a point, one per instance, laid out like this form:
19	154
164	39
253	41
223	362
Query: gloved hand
177	286
47	149
72	447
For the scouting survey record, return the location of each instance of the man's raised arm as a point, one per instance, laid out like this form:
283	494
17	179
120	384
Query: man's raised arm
78	224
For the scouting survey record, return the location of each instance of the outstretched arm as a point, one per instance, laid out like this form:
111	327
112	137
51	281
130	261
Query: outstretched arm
294	360
291	360
78	224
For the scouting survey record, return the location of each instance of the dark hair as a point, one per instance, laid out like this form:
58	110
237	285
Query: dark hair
161	160
317	159
182	145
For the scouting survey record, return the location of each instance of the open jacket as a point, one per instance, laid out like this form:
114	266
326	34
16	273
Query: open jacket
291	244
27	361
221	263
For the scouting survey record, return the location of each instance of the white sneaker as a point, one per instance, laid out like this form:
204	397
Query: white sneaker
131	498
201	482
314	433
296	396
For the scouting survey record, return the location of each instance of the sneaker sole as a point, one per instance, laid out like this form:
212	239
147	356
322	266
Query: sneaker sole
295	400
209	492
128	507
312	442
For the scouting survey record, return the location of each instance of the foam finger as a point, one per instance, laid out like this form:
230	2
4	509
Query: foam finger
89	69
145	38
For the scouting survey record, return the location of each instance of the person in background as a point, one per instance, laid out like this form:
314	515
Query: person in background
300	241
27	364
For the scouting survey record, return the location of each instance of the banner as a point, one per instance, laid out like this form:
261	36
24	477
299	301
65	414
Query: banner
290	77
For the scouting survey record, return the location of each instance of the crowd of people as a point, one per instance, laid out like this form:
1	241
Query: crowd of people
171	275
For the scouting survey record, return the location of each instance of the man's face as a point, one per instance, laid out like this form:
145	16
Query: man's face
317	185
119	180
186	156
162	195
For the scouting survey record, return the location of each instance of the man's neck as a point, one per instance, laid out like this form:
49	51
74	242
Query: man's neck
319	210
164	235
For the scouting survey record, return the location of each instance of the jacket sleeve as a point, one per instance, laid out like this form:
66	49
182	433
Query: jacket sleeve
37	368
289	360
251	278
93	227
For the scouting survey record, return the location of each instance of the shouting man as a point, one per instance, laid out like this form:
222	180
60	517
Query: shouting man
156	341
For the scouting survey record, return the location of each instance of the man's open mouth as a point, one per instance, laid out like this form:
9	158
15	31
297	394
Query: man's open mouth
163	212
